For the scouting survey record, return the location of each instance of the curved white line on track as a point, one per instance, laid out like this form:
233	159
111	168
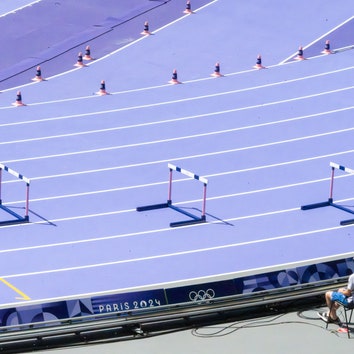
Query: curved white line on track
112	53
233	195
75	195
140	144
186	158
174	254
146	232
174	101
317	39
19	8
217	113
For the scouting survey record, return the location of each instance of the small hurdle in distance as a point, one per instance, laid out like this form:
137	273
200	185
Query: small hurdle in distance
18	218
330	202
194	219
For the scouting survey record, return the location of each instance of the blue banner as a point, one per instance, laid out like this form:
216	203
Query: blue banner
128	301
201	292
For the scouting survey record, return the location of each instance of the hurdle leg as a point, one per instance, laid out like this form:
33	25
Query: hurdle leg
27	203
162	205
322	204
331	186
0	184
169	197
194	219
204	202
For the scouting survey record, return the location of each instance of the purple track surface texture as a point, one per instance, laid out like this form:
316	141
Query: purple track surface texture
263	139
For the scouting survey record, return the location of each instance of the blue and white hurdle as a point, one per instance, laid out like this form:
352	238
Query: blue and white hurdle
329	202
193	218
18	218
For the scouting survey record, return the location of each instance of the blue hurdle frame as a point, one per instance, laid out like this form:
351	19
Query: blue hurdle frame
330	202
193	218
18	218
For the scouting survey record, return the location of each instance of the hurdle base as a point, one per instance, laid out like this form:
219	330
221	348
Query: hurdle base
188	222
154	206
18	218
13	222
330	203
194	219
317	205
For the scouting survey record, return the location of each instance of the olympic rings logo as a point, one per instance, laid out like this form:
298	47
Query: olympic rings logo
202	295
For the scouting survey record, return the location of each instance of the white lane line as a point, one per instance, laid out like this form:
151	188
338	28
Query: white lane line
174	101
117	212
218	197
175	120
19	8
97	60
111	190
154	231
318	39
174	254
180	158
161	141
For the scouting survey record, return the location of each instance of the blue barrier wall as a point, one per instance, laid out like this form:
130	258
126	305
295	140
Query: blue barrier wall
150	299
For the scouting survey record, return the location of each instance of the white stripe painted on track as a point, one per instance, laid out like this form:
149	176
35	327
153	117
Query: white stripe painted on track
97	60
153	87
181	100
154	162
117	212
194	136
19	8
139	233
317	39
83	115
174	254
174	120
74	195
164	182
193	157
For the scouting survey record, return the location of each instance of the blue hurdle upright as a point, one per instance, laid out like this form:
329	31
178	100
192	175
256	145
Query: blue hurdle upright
17	218
194	219
330	202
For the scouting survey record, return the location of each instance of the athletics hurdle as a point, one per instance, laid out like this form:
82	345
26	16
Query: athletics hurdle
193	218
18	218
330	202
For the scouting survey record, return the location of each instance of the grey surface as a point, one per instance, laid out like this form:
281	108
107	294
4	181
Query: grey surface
290	333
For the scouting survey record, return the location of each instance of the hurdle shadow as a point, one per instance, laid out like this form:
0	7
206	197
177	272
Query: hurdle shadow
18	219
46	221
194	219
183	209
224	222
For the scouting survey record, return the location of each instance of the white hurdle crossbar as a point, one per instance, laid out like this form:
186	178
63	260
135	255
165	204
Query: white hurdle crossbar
27	181
329	202
194	219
